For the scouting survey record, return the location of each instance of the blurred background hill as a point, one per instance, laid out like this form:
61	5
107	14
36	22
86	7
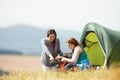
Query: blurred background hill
25	39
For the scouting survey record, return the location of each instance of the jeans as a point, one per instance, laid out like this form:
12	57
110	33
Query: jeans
70	66
85	64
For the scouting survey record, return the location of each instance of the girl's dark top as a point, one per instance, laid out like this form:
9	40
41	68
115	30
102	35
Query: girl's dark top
49	48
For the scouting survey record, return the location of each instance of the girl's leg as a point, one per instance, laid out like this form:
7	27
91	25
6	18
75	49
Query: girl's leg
45	68
70	66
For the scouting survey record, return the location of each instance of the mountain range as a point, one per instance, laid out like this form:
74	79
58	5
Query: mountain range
26	38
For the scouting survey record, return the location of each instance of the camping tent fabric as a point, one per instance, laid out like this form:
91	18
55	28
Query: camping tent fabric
95	52
93	49
90	39
109	42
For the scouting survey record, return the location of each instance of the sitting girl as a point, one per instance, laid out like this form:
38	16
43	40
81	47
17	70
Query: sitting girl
79	58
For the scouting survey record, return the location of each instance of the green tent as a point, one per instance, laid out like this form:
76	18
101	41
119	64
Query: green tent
101	44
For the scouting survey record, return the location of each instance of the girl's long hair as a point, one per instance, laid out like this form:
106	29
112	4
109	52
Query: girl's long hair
74	42
52	31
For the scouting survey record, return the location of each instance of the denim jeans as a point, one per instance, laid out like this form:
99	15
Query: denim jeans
70	66
85	64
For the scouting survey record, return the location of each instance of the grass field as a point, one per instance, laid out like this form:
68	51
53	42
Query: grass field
19	63
28	68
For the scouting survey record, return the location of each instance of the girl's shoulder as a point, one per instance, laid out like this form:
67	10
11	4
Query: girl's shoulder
78	48
57	39
44	40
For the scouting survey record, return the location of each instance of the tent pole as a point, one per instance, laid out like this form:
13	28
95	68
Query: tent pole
105	62
104	66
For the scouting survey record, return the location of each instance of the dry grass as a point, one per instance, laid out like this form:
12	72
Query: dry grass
28	68
18	63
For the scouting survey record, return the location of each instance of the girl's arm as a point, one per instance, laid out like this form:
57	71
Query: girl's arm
59	50
45	47
75	55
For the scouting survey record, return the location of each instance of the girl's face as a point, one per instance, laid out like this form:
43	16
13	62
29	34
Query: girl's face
71	46
51	37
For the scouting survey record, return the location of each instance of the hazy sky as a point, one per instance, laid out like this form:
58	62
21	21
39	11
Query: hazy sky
65	14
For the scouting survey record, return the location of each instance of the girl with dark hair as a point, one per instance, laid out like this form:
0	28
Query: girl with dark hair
79	58
51	49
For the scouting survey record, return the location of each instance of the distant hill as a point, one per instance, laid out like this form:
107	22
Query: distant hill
26	38
11	52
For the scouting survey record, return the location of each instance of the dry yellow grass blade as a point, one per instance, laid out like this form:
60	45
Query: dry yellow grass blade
28	68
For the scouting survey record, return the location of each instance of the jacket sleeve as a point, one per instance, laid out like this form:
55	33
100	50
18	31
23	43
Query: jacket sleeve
59	50
45	47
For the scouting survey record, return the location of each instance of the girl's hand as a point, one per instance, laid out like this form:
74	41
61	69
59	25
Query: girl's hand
62	59
51	58
58	57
